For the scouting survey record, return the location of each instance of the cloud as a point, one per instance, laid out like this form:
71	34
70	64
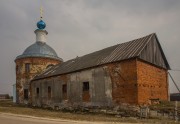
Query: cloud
83	26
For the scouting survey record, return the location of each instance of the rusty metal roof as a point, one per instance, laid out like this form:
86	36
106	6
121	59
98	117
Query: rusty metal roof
111	54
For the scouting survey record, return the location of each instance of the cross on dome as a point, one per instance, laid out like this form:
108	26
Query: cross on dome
41	24
41	12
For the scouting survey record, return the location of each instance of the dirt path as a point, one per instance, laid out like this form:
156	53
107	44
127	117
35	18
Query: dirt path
21	119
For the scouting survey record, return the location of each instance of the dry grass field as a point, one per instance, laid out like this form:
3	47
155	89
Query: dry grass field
6	106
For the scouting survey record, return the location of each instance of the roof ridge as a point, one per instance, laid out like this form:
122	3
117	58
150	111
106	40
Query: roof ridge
110	47
151	35
110	54
120	45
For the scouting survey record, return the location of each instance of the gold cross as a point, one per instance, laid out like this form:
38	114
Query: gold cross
41	12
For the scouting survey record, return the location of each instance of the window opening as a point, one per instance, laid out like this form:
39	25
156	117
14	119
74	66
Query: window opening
27	67
85	86
25	94
64	88
37	92
49	92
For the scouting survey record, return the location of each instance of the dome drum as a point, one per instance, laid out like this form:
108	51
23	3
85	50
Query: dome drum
41	35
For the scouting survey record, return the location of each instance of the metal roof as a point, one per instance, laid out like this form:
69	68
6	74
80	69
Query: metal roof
39	49
111	54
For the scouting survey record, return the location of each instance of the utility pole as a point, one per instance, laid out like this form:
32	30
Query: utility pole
176	103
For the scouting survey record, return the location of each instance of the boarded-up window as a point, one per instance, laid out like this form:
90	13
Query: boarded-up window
86	95
27	67
85	86
49	92
26	94
37	92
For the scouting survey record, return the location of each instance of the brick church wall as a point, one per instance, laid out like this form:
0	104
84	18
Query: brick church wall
130	81
152	82
138	82
37	65
124	81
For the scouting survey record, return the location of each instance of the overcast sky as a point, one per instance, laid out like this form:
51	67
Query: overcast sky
78	27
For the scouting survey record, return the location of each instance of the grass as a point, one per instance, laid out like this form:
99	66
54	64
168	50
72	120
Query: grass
166	106
6	106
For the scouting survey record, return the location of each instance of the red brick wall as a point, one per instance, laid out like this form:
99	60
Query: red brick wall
124	81
86	96
37	65
152	82
136	82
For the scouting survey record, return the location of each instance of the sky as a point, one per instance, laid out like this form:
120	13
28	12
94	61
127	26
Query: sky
79	27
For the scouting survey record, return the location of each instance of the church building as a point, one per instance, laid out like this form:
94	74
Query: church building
36	58
134	72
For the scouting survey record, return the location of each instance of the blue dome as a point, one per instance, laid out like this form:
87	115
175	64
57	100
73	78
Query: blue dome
41	24
39	49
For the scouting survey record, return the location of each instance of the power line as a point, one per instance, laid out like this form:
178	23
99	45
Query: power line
174	82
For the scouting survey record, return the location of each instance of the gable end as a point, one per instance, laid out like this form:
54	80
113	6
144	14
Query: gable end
154	54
